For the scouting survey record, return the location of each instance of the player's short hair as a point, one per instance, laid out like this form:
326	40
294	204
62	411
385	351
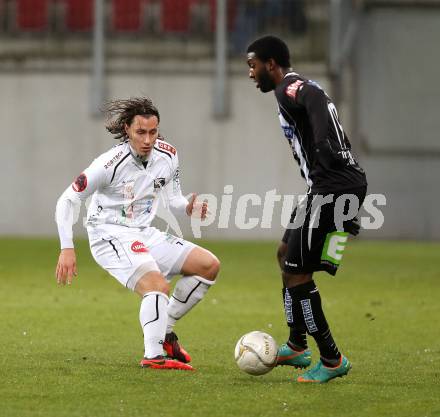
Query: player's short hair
122	112
271	47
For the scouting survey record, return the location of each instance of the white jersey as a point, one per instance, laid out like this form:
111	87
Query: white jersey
125	190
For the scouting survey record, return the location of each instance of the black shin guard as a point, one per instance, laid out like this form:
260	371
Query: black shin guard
298	335
306	305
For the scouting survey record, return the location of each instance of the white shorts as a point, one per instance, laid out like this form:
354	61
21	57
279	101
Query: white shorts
128	254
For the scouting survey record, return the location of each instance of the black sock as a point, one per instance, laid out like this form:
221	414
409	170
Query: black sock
298	336
306	304
297	339
330	355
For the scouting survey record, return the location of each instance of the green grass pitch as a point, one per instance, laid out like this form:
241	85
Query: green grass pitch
74	351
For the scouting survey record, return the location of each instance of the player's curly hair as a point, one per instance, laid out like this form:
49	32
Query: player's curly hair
271	47
122	112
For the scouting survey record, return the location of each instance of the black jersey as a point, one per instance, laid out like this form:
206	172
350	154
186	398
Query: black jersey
308	116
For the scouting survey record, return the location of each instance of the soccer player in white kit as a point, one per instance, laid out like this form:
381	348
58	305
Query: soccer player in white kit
126	183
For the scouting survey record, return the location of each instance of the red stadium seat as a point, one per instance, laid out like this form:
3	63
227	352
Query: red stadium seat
32	14
126	15
79	15
2	10
175	15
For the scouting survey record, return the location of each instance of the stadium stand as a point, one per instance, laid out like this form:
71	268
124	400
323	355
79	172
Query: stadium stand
79	15
32	15
175	16
127	15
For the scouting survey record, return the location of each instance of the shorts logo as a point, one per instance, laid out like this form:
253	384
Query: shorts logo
80	183
138	247
293	88
334	247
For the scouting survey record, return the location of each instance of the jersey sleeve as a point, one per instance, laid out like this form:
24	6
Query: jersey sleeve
176	200
313	99
69	204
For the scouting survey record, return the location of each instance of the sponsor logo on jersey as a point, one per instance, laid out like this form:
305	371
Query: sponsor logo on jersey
176	180
159	182
138	247
166	147
288	131
148	206
113	160
293	88
80	184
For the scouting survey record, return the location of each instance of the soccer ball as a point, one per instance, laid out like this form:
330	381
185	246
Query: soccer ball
256	353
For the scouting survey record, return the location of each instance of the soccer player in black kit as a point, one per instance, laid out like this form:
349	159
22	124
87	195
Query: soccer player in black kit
321	222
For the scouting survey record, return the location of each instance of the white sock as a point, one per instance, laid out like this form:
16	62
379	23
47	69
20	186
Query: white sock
187	293
153	317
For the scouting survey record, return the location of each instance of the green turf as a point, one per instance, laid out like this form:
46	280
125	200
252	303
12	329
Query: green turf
74	351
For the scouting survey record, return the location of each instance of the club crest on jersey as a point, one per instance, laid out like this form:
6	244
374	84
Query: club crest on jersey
166	147
138	247
80	184
159	183
293	88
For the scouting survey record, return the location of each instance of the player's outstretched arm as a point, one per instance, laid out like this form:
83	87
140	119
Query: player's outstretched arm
66	266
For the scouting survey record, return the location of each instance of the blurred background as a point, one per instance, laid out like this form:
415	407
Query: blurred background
61	59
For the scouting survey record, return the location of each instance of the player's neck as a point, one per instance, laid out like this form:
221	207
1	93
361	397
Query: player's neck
280	73
287	71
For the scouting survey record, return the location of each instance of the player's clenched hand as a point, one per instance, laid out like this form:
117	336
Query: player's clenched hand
66	267
196	208
352	226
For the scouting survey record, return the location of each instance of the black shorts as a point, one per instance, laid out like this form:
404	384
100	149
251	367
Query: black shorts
315	237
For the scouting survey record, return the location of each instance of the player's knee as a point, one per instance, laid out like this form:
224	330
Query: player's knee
211	268
161	284
215	267
152	281
164	286
293	280
281	253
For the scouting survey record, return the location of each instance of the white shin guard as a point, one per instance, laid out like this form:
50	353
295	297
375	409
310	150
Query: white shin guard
153	317
187	293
